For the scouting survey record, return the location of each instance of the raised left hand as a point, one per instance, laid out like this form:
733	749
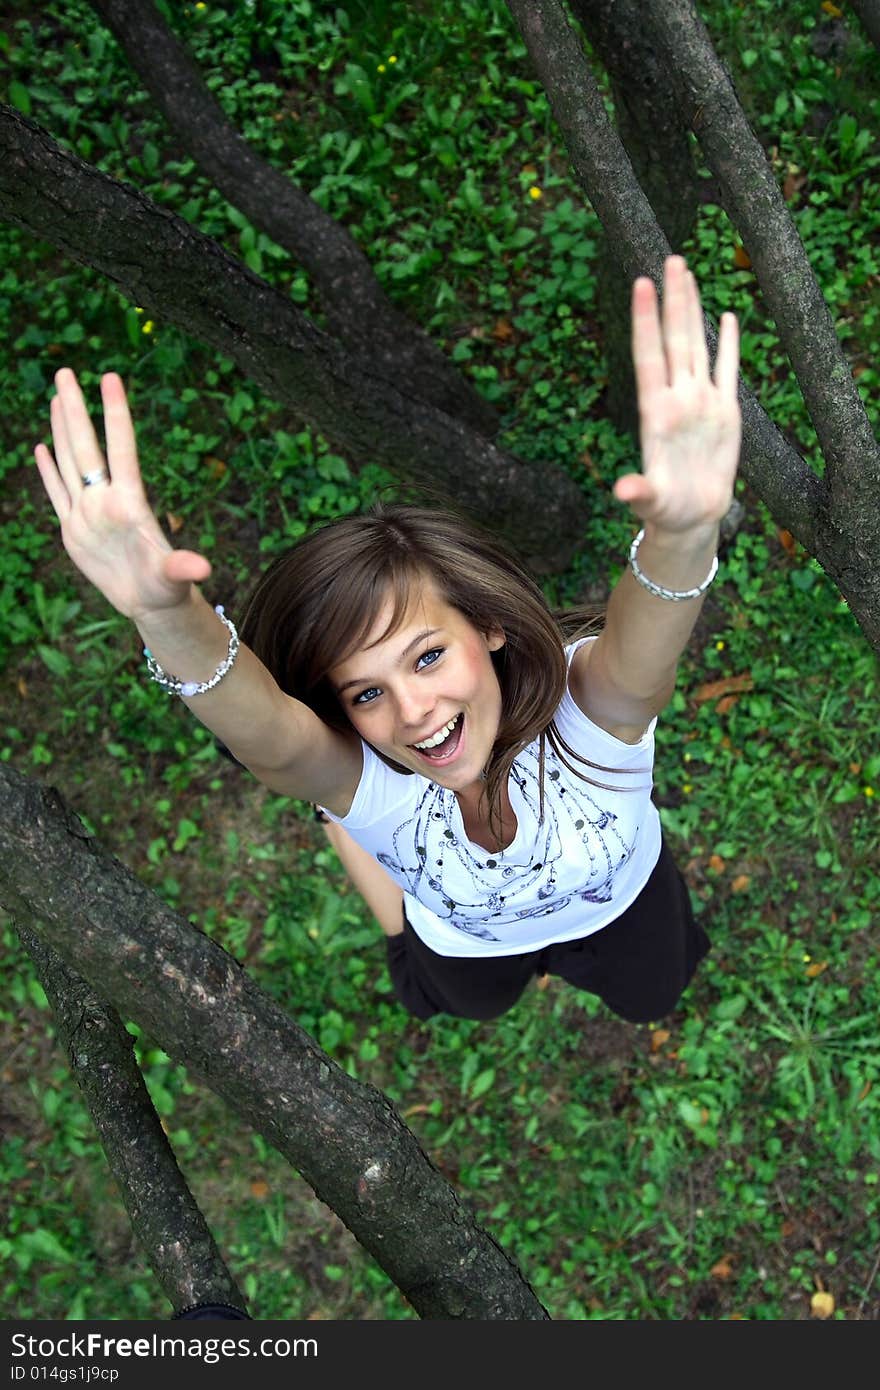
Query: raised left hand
689	418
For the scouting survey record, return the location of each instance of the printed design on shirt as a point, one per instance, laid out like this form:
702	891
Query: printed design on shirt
431	851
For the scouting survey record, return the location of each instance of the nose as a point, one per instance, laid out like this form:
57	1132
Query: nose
414	705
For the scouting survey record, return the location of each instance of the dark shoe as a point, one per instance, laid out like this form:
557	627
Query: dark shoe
214	1312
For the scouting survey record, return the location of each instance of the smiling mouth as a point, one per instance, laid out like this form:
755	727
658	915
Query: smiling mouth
446	746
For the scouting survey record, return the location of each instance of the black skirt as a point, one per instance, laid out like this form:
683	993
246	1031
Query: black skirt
639	964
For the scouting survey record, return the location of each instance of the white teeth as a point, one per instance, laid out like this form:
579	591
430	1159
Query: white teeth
440	735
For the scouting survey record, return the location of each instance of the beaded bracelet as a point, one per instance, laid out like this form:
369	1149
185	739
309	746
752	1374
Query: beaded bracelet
676	595
175	686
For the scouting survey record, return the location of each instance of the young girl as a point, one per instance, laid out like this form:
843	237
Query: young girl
486	785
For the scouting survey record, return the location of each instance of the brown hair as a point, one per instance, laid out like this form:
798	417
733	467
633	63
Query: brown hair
316	604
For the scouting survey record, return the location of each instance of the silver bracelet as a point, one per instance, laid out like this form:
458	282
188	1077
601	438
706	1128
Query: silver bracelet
175	686
676	595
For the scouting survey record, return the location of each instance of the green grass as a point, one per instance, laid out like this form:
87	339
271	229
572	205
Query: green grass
723	1164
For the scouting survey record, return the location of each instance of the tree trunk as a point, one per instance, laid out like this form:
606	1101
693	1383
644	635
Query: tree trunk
163	1212
358	311
837	518
345	1138
656	139
159	261
753	200
847	538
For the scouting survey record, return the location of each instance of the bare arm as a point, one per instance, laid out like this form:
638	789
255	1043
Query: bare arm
627	676
113	537
690	432
280	740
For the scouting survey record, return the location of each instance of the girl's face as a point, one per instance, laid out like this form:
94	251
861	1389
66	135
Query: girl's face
426	696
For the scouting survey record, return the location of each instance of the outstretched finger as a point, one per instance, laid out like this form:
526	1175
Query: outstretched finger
697	330
649	359
64	458
56	490
81	452
119	432
727	357
677	318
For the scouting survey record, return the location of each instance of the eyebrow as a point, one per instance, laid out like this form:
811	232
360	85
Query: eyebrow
367	680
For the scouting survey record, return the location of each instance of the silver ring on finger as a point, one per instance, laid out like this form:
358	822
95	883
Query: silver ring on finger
100	475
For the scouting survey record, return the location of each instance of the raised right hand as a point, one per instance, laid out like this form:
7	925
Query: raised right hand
108	529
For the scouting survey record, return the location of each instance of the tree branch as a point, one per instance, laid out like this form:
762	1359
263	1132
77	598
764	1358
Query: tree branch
357	308
594	147
777	473
163	1213
658	146
755	204
162	263
649	122
345	1138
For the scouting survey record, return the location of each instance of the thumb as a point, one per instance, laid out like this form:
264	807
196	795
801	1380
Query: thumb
186	567
637	492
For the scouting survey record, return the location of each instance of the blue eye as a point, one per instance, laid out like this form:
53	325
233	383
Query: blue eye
428	658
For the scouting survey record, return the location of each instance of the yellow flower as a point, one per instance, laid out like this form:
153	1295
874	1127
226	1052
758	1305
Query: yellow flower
687	788
138	311
200	5
807	958
869	791
719	646
393	58
535	193
381	67
147	327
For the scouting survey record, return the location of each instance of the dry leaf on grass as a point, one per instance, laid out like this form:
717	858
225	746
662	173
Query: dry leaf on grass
503	331
730	685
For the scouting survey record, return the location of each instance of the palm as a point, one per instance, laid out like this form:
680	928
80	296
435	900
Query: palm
116	542
689	421
108	529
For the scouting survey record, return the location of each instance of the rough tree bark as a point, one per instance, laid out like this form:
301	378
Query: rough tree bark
848	538
655	138
358	311
835	518
164	1215
345	1138
176	272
